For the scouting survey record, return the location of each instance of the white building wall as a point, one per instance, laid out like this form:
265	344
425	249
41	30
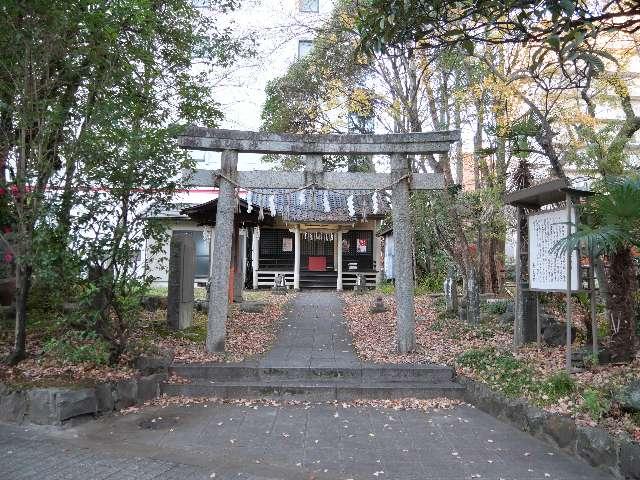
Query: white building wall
388	256
157	264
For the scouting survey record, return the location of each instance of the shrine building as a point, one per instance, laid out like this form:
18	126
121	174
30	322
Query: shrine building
312	239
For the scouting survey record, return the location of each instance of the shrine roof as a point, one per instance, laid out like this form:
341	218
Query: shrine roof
288	208
553	191
205	214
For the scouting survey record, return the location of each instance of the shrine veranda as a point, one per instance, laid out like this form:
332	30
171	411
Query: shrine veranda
318	222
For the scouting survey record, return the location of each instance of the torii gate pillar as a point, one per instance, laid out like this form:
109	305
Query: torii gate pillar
223	238
403	254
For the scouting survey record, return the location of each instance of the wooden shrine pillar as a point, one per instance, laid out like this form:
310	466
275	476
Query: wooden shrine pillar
223	235
403	260
255	256
339	259
297	247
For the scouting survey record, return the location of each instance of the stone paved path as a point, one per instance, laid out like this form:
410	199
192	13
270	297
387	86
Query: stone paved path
320	441
313	335
287	442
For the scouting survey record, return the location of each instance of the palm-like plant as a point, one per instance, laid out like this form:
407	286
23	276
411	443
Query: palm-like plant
612	229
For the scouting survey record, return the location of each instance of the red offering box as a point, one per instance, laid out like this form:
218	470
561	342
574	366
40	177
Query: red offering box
317	264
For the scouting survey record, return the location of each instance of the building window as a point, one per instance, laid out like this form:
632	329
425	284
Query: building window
312	6
202	252
304	47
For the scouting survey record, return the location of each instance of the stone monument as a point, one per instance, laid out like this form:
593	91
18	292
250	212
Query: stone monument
279	285
182	266
451	291
361	284
378	306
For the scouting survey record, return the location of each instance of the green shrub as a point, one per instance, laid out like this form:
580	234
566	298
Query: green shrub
558	385
583	299
590	360
603	329
79	347
438	325
497	307
430	283
440	304
596	403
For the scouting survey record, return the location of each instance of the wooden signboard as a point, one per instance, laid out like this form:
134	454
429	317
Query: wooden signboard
548	265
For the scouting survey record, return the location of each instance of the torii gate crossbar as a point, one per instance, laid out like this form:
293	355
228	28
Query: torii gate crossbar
402	179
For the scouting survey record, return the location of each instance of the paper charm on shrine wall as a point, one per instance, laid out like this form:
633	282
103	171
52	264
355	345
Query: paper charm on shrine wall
350	206
272	205
249	201
301	198
325	202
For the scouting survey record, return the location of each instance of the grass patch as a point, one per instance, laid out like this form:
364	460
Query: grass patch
596	403
78	347
500	370
558	385
514	377
199	293
255	295
197	332
386	288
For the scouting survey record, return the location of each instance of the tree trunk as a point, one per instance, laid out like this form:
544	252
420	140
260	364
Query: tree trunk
603	288
493	283
622	287
23	285
498	261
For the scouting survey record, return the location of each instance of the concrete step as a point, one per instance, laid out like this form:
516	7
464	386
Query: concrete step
314	391
434	374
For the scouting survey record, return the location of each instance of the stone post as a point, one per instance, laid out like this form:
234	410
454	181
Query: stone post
403	258
451	291
339	261
182	267
525	323
219	289
473	297
296	258
380	262
238	270
255	256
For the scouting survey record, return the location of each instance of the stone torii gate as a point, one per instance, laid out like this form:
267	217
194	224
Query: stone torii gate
401	179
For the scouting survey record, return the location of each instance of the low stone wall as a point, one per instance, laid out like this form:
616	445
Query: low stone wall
618	456
52	406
